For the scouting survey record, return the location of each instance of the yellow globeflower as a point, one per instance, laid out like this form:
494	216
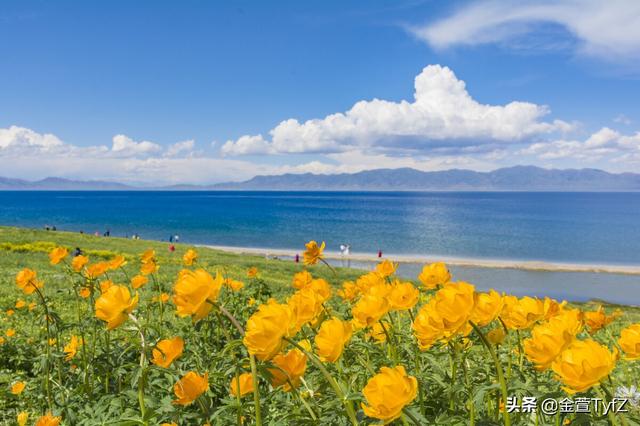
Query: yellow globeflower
552	307
496	336
149	267
629	341
105	285
349	291
71	348
246	385
487	307
167	351
79	262
22	418
57	254
322	288
598	319
369	309
84	292
331	339
547	341
190	387
434	275
48	420
290	368
148	256
313	253
189	257
386	268
520	314
116	262
10	312
17	388
403	296
388	392
569	319
234	285
377	333
115	305
195	292
252	272
267	327
306	306
302	279
10	332
583	364
368	281
27	281
139	281
20	304
97	269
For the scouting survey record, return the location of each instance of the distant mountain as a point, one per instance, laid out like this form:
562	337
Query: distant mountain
518	178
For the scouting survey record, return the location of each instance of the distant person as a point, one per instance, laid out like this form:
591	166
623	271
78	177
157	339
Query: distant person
345	249
176	238
379	253
97	234
172	248
53	228
170	238
297	258
77	252
81	231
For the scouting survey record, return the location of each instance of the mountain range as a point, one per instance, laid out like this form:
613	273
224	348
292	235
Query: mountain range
517	178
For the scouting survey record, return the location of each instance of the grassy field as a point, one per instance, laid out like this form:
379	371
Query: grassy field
111	381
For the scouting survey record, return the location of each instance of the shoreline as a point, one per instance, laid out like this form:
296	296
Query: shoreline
527	265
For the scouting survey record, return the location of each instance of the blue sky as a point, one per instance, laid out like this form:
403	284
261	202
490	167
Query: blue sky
196	91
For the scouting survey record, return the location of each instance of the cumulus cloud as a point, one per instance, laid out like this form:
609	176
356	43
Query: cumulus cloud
609	29
442	114
20	138
605	143
125	146
180	148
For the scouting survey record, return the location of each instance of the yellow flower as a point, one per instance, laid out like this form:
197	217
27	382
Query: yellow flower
32	306
149	268
115	305
595	320
139	281
71	348
583	364
20	304
195	292
27	281
189	257
10	312
252	272
369	310
10	332
169	424
569	319
629	341
117	262
251	301
167	351
190	387
547	341
79	262
246	384
487	307
331	339
434	275
290	368
302	279
520	314
388	392
496	336
386	268
163	298
403	296
2	340
267	327
105	285
349	291
552	307
369	280
322	288
22	418
377	333
52	341
306	306
148	256
97	269
313	253
57	254
48	420
445	315
234	285
17	388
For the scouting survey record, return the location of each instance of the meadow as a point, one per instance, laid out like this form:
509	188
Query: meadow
132	333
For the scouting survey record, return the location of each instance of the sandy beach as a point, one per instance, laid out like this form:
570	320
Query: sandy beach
454	261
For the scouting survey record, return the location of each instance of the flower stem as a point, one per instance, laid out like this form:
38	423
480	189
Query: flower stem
499	372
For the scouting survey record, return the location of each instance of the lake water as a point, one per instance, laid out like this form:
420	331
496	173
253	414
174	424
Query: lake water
590	228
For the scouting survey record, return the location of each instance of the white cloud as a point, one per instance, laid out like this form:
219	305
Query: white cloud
180	148
442	114
605	28
127	147
604	144
22	138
